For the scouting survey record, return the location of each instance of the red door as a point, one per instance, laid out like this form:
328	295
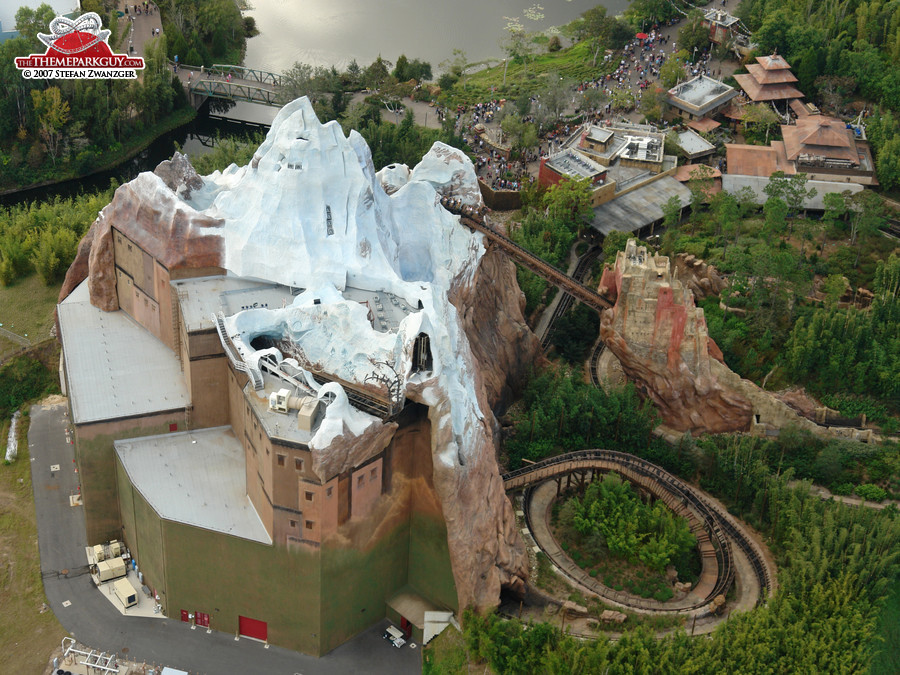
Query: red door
406	627
202	619
184	615
252	628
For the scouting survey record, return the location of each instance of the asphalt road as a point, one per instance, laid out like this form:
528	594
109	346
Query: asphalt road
94	622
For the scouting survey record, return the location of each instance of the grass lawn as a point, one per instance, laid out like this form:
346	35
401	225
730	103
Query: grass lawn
27	636
887	660
572	63
446	654
26	307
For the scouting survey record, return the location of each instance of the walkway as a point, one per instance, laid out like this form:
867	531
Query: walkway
137	29
85	613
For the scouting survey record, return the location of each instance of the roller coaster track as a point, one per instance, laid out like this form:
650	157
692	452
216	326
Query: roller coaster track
677	494
476	222
596	353
581	270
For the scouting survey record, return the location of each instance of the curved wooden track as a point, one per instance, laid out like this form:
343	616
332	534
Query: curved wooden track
706	518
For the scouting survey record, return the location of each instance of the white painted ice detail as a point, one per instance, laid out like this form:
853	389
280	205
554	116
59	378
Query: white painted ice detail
276	228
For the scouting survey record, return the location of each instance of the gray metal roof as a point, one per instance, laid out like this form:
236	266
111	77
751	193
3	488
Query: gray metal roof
638	208
574	164
200	298
115	367
693	143
195	477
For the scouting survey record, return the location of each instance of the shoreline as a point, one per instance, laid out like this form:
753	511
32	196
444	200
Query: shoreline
174	121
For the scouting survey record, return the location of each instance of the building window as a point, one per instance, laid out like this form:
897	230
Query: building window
280	460
309	496
298	464
329	491
360	481
375	473
293	523
309	524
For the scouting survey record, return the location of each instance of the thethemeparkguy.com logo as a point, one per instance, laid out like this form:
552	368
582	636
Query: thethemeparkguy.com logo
78	49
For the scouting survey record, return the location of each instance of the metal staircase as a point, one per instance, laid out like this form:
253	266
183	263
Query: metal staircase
255	375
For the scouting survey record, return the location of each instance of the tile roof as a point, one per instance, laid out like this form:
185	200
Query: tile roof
822	136
757	160
773	62
704	124
764	76
767	92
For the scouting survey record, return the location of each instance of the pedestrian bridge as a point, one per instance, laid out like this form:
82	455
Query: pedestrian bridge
232	83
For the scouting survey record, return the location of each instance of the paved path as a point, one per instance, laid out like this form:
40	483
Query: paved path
95	622
137	28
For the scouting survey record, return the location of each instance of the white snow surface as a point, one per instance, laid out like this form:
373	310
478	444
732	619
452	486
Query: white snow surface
276	228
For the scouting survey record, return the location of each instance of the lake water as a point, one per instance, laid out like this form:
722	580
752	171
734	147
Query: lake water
334	32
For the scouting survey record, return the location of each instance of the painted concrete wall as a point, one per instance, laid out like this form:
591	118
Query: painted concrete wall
97	467
358	583
227	577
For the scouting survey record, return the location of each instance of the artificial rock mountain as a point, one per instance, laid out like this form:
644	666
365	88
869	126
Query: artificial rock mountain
661	341
310	211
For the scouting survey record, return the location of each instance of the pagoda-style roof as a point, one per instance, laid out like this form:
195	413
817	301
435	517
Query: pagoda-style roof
773	62
764	76
770	80
822	136
766	92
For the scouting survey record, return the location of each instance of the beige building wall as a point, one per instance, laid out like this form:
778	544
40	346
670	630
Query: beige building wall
366	483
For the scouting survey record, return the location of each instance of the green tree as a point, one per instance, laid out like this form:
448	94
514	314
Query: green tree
866	215
761	120
595	27
556	96
377	74
30	22
726	214
672	70
672	211
654	103
569	203
693	36
776	211
614	242
52	113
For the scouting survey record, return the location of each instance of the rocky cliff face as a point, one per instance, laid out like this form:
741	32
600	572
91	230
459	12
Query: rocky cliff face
700	278
660	338
491	310
152	212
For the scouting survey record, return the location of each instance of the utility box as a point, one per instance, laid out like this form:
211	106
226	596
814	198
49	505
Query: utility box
278	400
308	412
125	592
113	549
110	569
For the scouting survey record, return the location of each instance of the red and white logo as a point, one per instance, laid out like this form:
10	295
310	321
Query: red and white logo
78	50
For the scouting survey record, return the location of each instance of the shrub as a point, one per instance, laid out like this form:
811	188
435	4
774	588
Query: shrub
870	492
